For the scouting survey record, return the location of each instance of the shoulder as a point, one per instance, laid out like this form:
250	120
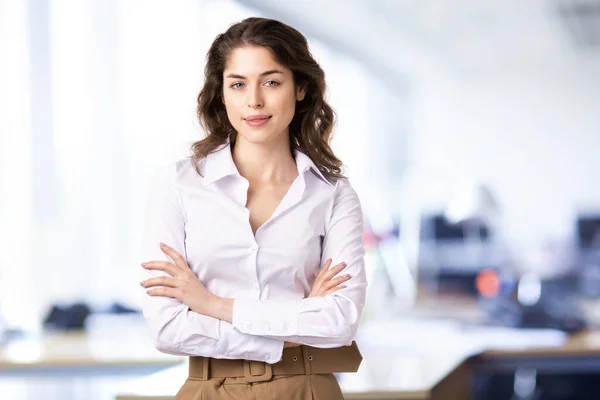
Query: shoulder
344	189
180	172
345	198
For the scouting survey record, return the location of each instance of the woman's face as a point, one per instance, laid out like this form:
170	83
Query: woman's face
259	95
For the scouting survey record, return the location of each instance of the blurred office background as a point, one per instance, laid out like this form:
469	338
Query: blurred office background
471	131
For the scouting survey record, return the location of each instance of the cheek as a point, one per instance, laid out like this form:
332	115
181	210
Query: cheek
232	107
229	102
287	105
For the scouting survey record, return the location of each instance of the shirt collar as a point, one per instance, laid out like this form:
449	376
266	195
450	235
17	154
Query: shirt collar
219	164
304	163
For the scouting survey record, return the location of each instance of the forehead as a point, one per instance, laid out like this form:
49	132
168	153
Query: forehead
251	61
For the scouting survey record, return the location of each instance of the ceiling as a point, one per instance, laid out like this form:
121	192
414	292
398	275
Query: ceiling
461	36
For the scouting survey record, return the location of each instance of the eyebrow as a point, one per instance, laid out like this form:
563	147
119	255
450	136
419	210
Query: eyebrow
269	72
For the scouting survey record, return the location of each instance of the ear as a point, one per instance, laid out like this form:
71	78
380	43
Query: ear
301	91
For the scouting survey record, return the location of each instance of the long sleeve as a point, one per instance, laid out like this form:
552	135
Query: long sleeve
174	328
329	321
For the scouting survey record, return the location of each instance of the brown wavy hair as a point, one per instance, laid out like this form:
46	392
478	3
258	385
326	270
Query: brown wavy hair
311	127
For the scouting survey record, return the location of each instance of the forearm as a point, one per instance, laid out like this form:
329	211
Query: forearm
322	322
222	308
177	330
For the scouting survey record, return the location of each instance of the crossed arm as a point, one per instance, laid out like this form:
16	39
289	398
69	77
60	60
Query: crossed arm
186	319
182	284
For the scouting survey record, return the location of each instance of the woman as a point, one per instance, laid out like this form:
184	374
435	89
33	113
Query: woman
237	233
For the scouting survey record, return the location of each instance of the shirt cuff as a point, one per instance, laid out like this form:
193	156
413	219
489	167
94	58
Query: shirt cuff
255	317
238	345
271	317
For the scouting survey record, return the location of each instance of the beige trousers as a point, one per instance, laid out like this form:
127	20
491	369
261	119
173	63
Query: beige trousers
296	387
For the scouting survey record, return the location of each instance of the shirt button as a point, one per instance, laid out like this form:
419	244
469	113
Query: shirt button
268	327
248	324
267	357
247	355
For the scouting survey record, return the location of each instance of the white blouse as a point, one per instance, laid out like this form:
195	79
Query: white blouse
269	274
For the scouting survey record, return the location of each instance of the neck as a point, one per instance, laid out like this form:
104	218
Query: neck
270	162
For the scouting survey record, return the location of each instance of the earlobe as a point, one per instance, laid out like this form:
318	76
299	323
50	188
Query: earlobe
301	92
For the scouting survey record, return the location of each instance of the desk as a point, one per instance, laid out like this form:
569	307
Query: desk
409	372
422	359
391	369
79	353
580	352
77	365
418	379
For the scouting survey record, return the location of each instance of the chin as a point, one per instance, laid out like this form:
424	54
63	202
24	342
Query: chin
257	137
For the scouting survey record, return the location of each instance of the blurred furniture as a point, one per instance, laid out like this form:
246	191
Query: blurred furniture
424	358
461	240
568	371
588	246
77	365
81	353
451	254
405	377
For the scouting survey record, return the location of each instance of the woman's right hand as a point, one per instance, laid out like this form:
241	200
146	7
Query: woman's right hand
325	284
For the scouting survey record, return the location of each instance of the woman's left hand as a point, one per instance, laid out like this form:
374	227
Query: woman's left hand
182	285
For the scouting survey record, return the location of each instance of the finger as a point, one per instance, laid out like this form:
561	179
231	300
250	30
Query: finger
335	289
165	266
336	281
175	256
163	291
333	271
160	281
325	267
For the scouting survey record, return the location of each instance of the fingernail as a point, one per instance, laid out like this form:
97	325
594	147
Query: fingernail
144	264
142	283
162	244
348	276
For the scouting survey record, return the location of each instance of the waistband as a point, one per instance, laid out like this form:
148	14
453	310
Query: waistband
300	360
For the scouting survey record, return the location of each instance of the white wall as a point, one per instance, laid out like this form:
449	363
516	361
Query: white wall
532	136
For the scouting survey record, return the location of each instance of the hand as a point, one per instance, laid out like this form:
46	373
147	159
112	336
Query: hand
325	283
182	285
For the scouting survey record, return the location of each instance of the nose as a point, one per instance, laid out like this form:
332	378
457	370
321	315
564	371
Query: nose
255	99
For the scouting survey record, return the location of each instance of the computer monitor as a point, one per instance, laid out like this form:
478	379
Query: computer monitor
588	232
587	237
443	229
451	255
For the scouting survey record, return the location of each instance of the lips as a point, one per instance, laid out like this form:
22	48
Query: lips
257	120
256	117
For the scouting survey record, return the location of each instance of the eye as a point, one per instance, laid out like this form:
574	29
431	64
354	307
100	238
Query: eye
272	83
236	85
